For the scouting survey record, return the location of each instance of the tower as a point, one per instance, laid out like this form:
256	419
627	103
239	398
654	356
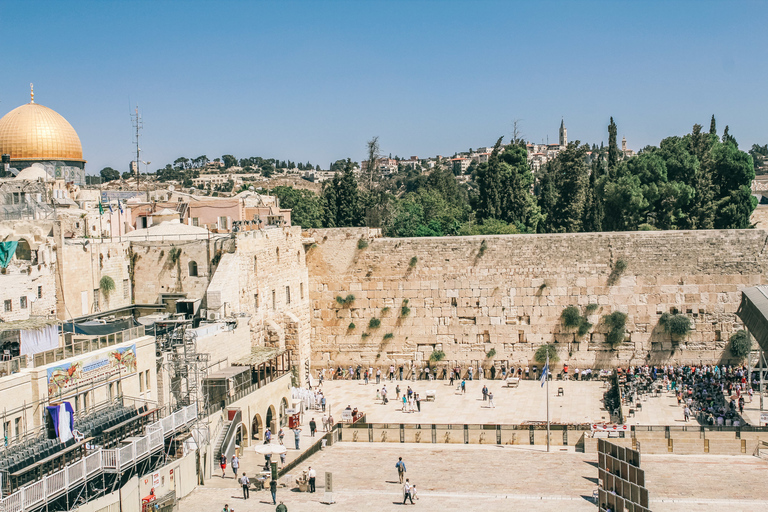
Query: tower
563	134
623	144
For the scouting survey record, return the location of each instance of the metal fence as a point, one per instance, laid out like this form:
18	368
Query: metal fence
77	344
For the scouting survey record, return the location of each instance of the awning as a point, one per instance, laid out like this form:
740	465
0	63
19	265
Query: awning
94	328
753	311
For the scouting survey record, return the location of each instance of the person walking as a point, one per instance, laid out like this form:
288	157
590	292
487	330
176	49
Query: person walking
280	436
296	434
312	476
378	375
322	403
490	400
463	386
405	401
407	492
267	436
235	464
418	402
400	465
312	427
397	390
273	490
451	378
245	483
485	393
223	464
281	508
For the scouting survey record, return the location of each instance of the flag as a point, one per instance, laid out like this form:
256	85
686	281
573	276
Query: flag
101	208
545	372
110	207
120	205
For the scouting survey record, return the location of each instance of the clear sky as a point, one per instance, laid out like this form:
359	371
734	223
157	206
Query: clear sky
315	80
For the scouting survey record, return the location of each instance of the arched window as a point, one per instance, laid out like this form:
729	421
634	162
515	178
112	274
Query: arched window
298	257
192	269
277	252
23	251
255	264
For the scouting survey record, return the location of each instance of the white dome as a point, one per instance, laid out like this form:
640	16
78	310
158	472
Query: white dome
33	173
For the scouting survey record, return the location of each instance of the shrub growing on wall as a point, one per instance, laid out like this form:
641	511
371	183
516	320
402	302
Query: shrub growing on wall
404	309
362	244
676	325
107	286
741	344
436	355
374	323
541	354
570	316
616	323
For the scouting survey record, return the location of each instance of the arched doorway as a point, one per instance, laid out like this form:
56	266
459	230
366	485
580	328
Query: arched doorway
271	417
256	427
241	438
283	415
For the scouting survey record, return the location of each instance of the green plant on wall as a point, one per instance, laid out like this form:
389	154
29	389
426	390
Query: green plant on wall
490	353
571	318
374	323
741	344
436	355
107	286
413	262
404	309
351	326
541	354
345	301
616	323
364	335
676	325
618	268
384	311
389	336
591	308
362	244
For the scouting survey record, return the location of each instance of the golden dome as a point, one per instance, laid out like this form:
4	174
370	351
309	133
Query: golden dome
35	132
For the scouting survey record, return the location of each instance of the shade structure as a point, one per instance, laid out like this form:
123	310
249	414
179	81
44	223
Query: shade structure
270	449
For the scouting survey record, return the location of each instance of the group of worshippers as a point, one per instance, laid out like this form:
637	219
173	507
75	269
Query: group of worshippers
712	393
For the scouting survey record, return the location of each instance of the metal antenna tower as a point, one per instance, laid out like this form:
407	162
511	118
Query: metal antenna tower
138	124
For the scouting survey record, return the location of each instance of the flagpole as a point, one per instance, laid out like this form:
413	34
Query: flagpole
546	377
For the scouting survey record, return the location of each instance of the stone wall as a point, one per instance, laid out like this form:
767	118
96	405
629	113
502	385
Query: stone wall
469	296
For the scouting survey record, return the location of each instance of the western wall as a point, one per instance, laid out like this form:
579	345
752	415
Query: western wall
503	295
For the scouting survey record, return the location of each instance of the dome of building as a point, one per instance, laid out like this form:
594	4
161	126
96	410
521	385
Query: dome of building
34	132
33	174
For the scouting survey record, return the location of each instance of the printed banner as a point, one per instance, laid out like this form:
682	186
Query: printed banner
115	362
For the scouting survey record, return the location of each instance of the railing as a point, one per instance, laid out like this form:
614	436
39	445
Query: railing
13	366
228	443
116	459
328	437
77	344
243	392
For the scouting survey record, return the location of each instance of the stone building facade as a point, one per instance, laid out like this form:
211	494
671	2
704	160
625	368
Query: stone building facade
504	295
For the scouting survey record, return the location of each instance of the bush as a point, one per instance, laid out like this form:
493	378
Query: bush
541	354
404	309
618	268
384	311
374	323
483	247
677	326
389	336
490	353
413	262
351	326
616	323
364	335
107	285
591	308
571	316
584	326
436	355
741	344
362	244
340	300
345	301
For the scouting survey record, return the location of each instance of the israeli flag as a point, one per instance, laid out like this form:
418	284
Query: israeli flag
544	373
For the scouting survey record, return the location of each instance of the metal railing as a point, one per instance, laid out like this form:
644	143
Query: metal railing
102	460
13	366
77	344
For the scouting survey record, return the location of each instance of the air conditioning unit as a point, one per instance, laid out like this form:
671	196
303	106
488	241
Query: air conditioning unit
213	315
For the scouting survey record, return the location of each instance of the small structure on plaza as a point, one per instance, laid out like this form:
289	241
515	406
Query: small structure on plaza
621	482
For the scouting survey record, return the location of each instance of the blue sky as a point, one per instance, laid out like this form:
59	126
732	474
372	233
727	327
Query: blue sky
315	80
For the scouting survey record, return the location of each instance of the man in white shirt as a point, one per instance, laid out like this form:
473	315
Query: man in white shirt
312	476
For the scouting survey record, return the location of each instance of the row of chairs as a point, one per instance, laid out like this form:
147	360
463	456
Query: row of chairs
94	425
42	449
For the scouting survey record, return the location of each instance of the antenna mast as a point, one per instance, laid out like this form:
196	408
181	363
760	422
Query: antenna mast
138	124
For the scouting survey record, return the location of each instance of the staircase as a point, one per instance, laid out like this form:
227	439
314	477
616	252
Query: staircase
220	440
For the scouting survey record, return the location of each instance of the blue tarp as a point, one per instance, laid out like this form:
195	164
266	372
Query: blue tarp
7	250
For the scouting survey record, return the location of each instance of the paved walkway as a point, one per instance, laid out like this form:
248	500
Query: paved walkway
457	478
581	402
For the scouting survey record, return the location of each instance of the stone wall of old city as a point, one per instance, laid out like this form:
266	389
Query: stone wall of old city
471	296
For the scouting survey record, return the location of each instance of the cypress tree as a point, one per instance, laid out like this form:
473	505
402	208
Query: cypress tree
712	126
613	149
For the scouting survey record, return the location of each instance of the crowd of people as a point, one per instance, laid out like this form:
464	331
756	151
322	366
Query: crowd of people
713	394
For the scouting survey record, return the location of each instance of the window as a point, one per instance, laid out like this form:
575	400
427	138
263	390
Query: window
298	257
23	251
301	291
256	301
287	294
277	252
222	223
192	269
274	300
96	299
146	380
196	221
8	305
23	302
141	382
255	264
111	390
39	292
17	427
7	429
85	400
126	288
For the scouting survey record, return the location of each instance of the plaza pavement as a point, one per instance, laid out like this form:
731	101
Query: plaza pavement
473	477
581	402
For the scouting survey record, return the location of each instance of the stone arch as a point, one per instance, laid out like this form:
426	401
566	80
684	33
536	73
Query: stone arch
241	437
271	420
283	415
257	427
24	250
